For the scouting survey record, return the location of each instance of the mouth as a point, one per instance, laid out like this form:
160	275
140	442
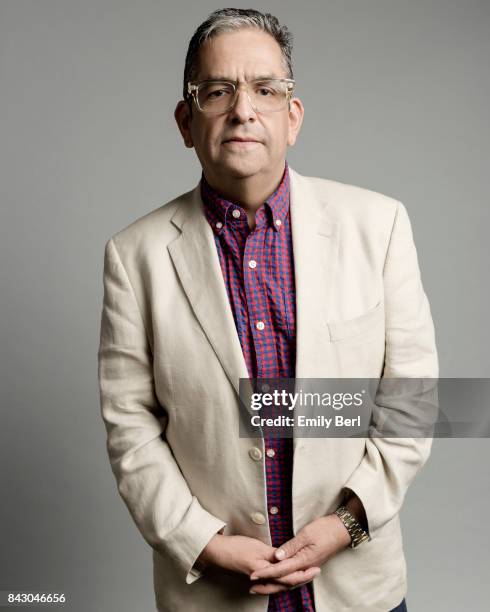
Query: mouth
240	142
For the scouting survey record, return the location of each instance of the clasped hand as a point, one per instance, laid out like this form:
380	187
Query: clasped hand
294	563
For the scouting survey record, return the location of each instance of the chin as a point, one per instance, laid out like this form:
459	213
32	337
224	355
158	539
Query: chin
243	168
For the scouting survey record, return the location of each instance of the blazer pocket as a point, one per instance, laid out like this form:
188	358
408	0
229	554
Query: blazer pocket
351	328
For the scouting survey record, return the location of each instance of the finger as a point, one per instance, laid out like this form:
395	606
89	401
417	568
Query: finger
281	568
272	587
259	564
292	581
267	589
291	547
267	559
300	577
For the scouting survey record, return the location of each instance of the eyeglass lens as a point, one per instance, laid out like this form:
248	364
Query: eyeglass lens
264	96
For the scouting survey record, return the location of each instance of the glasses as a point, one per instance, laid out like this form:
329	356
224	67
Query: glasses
265	95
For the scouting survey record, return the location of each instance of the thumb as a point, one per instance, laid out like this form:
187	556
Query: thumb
288	549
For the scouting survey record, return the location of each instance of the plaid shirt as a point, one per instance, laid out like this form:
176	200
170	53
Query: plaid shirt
258	270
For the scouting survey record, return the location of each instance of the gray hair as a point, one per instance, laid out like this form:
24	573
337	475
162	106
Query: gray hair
229	19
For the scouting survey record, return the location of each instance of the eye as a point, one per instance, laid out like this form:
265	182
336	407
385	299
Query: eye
217	93
266	89
214	91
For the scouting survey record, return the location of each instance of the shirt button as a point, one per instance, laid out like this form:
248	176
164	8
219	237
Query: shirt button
278	222
270	452
252	263
219	225
265	387
236	213
255	453
273	509
260	325
258	518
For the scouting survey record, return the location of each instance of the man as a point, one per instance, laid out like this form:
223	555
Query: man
259	272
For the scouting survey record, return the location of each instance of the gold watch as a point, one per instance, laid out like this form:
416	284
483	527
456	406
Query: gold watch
356	532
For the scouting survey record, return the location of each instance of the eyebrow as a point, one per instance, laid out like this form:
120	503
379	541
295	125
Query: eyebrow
226	78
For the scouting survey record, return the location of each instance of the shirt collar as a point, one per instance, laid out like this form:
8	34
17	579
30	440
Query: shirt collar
220	211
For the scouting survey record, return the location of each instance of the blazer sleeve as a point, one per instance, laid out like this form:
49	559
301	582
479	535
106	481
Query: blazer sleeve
149	480
389	465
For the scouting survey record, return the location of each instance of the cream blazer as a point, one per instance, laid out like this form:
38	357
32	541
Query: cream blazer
169	367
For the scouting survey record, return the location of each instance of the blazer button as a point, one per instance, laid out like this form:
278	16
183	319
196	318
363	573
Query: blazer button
258	518
255	453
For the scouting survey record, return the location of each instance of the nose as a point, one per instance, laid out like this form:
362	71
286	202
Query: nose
242	111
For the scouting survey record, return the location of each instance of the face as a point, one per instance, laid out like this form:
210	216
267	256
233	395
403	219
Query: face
240	56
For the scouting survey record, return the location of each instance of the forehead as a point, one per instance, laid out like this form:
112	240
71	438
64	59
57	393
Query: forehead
243	54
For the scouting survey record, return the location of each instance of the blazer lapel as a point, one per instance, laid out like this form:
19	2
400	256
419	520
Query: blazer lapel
197	264
315	236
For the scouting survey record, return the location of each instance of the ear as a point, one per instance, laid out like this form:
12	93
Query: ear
183	118
295	114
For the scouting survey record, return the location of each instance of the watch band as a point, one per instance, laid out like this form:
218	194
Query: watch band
356	532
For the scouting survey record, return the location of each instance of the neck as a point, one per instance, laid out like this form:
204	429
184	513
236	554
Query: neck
249	192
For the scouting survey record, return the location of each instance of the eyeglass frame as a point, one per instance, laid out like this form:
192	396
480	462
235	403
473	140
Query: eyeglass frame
193	90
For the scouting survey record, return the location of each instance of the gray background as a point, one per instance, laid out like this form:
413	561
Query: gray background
396	96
